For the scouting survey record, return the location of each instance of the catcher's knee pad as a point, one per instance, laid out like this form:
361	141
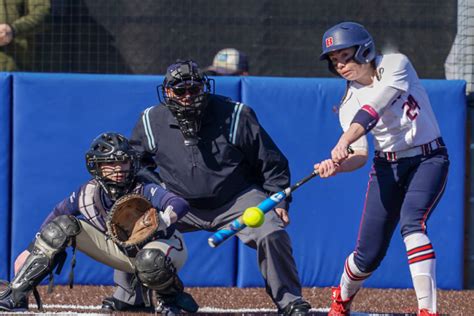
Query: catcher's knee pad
57	234
156	272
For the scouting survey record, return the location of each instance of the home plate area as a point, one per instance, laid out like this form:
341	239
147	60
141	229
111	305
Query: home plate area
86	300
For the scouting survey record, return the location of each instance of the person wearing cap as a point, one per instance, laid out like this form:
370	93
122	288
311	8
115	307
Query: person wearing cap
214	153
229	62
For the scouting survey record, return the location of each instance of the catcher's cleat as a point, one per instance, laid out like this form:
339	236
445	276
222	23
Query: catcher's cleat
425	312
296	308
9	303
166	309
339	307
186	302
110	304
173	305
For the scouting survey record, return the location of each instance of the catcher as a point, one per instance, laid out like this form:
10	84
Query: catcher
117	220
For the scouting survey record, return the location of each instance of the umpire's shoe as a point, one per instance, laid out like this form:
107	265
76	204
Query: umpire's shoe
111	304
296	308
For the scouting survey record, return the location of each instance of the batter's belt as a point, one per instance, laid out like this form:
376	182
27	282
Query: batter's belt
422	150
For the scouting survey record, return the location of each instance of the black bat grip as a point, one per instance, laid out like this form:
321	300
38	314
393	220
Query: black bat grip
304	180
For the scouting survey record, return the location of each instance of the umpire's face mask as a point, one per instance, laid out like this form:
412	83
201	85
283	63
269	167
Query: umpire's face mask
187	101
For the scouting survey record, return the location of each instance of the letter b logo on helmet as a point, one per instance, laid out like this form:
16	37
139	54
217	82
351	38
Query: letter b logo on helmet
349	34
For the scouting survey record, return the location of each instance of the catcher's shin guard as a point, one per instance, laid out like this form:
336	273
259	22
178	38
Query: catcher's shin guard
47	253
156	272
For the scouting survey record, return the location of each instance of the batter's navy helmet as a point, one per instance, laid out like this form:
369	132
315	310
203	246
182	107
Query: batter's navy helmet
349	34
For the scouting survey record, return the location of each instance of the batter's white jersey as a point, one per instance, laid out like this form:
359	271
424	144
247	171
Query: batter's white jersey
407	122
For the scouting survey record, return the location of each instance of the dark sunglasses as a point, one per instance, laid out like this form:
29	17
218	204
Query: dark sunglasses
181	90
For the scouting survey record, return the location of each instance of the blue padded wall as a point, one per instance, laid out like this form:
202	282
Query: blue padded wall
5	174
325	214
56	116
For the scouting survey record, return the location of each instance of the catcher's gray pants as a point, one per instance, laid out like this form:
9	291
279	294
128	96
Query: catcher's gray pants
94	243
272	242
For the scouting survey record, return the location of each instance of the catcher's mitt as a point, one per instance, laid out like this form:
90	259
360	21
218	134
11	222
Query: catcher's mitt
132	222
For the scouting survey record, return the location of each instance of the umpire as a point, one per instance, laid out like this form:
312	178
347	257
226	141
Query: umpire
213	152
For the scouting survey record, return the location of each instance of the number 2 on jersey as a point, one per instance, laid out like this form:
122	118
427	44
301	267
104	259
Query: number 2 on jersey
411	107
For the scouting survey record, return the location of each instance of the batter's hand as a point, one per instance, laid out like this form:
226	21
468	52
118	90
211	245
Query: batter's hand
20	260
283	214
340	152
326	168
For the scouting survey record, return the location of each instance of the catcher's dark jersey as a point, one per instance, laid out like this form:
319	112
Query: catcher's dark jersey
234	153
93	204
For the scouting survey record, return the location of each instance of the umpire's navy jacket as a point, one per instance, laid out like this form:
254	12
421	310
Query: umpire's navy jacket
234	153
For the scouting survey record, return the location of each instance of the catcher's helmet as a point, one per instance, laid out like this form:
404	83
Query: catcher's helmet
349	34
183	78
112	147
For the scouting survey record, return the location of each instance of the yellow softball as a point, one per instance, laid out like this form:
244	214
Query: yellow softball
253	217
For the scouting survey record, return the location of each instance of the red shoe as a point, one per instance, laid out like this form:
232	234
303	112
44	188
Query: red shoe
425	312
338	306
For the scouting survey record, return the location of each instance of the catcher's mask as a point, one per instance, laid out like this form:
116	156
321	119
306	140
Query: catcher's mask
185	91
110	148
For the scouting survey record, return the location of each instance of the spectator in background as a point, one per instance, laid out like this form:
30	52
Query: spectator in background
19	20
229	62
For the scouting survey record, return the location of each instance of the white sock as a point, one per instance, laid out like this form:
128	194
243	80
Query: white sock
352	278
422	262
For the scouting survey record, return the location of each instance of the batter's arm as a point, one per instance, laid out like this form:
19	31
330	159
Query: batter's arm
339	153
355	161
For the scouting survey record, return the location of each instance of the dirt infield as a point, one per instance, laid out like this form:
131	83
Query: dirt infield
87	299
